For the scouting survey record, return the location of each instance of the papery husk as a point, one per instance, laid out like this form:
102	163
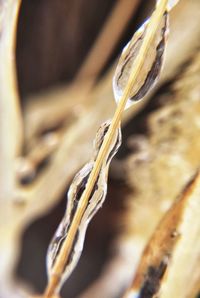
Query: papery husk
171	258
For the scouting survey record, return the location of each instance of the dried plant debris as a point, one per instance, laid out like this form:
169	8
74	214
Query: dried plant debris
167	156
151	67
171	3
50	107
95	202
162	161
169	150
10	115
171	258
67	245
153	60
11	135
28	201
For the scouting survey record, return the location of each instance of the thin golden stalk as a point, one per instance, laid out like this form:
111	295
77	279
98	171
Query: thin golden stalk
137	66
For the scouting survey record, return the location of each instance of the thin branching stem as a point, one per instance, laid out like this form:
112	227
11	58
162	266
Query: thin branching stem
136	68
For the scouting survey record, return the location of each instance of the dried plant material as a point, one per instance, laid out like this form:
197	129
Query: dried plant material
28	201
64	253
50	107
28	204
170	5
153	60
28	166
152	65
10	116
167	150
10	138
185	258
164	267
170	150
87	75
95	202
151	68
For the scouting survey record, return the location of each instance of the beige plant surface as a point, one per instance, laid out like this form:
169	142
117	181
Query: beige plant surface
171	147
160	271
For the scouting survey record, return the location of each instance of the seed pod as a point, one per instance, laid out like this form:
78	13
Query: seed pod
95	201
151	66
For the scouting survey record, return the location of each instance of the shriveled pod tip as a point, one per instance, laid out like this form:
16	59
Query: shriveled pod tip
151	67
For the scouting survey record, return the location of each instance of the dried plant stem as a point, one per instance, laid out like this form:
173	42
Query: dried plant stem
64	253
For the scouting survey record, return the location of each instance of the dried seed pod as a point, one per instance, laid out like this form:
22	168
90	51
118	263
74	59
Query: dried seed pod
96	200
151	66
